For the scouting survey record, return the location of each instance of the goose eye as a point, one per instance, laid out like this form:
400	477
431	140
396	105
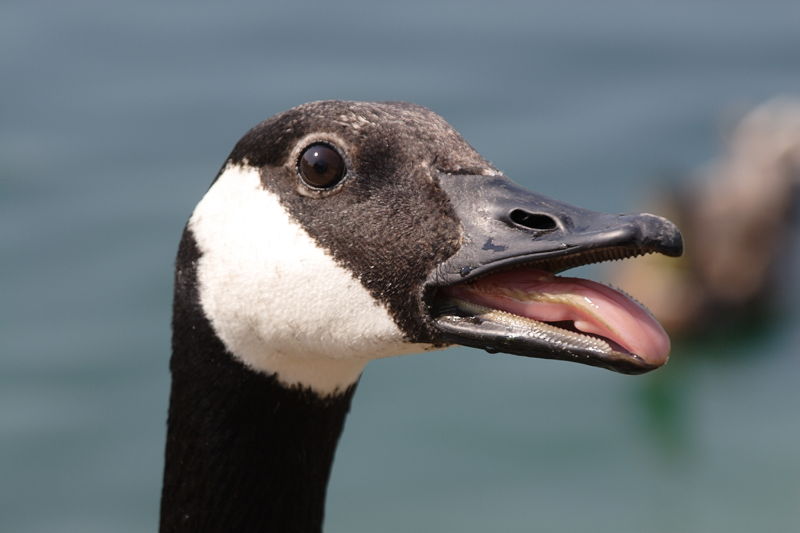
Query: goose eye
321	166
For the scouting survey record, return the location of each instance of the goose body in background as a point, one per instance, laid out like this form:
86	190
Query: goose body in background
738	219
340	232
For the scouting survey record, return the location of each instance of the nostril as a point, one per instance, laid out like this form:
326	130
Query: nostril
537	221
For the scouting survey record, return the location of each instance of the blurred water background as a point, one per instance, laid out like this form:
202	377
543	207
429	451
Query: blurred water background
115	117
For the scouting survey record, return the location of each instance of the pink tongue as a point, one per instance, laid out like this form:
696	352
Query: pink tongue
592	307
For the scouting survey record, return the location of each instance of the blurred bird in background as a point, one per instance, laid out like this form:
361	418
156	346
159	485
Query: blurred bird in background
724	298
738	226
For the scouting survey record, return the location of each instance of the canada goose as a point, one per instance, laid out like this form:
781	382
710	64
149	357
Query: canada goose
738	221
340	232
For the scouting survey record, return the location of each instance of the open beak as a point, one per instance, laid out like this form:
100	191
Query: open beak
499	291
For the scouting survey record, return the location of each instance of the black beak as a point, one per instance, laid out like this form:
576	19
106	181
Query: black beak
505	226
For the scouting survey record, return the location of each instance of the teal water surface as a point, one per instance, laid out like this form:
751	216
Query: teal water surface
116	116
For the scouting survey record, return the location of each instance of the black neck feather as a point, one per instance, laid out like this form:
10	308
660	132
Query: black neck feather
243	453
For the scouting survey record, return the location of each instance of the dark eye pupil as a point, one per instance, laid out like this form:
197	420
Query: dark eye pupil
321	166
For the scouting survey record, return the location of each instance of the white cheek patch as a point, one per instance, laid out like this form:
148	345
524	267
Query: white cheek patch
276	299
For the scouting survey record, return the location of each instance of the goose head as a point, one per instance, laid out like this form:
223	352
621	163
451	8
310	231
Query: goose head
340	232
